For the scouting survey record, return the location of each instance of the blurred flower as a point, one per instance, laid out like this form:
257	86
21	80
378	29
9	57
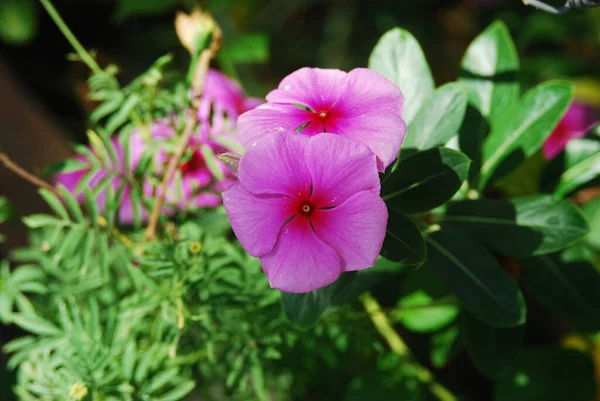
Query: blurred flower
308	207
576	122
201	177
361	105
115	174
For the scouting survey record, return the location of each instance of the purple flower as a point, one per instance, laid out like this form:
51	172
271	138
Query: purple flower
308	207
577	121
361	105
222	101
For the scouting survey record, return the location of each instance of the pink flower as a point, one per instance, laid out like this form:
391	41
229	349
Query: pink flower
226	99
71	180
361	105
222	101
308	207
577	121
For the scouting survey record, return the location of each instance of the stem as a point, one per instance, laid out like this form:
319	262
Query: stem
398	346
197	87
85	56
169	173
21	172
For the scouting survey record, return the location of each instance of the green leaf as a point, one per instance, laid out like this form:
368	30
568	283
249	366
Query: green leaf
179	392
419	312
398	57
532	225
122	115
425	180
404	242
577	283
35	324
476	278
248	48
41	220
583	165
439	119
591	210
444	345
525	128
54	202
489	71
492	349
548	374
18	21
304	309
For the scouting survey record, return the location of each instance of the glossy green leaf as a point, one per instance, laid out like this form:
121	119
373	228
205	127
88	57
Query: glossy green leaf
489	72
569	290
476	278
421	313
524	129
305	309
444	345
532	225
425	180
548	374
591	210
582	165
492	349
403	242
398	57
439	119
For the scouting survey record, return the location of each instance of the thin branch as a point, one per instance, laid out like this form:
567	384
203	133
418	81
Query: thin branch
399	347
197	88
26	175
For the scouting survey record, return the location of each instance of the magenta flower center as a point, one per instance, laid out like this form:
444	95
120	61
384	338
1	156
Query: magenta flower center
323	115
193	165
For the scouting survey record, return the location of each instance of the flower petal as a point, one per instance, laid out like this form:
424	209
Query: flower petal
275	165
355	229
256	123
369	110
339	168
256	221
300	261
312	87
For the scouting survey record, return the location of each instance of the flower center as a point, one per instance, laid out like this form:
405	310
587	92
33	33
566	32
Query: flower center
306	209
323	115
193	165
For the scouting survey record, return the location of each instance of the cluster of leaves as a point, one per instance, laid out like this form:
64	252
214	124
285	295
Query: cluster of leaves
460	211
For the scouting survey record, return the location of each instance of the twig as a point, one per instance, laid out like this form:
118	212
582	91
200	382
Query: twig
398	346
21	172
197	88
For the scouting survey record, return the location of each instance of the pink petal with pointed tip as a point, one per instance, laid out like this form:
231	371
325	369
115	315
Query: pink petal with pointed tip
254	124
300	261
311	87
339	168
256	221
355	229
275	165
369	110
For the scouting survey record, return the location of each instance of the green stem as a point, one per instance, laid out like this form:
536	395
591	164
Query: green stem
85	56
398	346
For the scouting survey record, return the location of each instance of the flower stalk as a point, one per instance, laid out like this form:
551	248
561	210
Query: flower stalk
399	347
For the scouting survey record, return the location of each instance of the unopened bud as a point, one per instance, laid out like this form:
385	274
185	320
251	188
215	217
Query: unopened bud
193	28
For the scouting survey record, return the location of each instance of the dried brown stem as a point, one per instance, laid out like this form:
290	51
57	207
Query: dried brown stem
197	88
26	175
